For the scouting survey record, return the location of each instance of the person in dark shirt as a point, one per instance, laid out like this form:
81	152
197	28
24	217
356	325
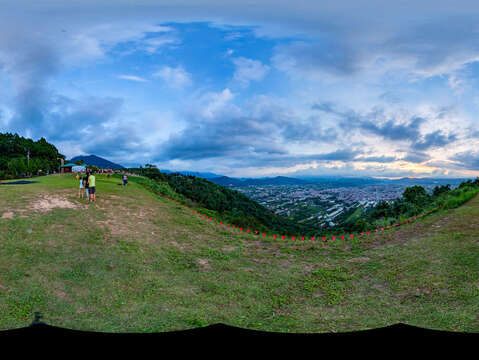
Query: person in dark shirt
85	184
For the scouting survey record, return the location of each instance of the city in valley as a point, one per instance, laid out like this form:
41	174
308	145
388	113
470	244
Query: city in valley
329	205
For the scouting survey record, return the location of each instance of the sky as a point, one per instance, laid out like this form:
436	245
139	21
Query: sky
248	88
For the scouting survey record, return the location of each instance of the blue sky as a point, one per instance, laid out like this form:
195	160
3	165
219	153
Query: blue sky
280	88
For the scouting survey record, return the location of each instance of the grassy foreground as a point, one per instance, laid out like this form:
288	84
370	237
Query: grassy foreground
135	262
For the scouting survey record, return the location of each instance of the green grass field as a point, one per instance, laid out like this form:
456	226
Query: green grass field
135	262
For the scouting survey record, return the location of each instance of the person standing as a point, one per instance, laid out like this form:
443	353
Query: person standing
85	184
92	187
125	179
82	186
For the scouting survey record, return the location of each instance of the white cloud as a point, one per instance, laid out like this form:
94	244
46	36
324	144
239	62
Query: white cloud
249	70
174	77
132	78
154	44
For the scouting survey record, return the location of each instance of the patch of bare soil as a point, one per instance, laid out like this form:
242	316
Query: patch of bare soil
127	221
204	264
8	215
48	203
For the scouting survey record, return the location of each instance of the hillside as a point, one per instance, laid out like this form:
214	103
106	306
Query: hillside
136	262
96	161
204	175
219	201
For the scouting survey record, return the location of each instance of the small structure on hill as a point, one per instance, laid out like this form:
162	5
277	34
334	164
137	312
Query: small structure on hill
78	168
67	168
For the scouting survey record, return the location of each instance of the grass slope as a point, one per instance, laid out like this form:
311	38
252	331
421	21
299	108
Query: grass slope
134	262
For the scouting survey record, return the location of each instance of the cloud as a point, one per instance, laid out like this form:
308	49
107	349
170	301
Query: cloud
350	57
153	45
416	157
378	159
248	70
315	59
378	123
256	135
132	78
434	139
375	122
174	77
310	129
467	160
338	155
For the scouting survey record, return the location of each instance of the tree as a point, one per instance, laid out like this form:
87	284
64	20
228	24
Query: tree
360	225
465	184
438	190
382	209
13	149
416	195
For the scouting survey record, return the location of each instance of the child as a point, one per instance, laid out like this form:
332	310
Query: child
80	190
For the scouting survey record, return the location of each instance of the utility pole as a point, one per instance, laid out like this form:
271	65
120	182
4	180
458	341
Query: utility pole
62	161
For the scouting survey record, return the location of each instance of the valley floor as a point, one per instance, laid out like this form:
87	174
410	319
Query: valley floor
135	262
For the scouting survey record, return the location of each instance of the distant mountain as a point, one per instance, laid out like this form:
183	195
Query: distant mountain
96	161
279	180
331	181
227	181
427	181
204	175
339	181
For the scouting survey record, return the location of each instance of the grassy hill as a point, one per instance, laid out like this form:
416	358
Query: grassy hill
135	262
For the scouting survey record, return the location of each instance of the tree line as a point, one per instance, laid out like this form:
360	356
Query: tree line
414	201
20	157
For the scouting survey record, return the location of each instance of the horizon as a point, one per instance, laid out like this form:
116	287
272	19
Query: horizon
350	89
302	177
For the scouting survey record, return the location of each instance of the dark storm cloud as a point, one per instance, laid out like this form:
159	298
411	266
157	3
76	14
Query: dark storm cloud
379	159
287	159
416	157
116	143
267	133
431	47
467	160
376	123
390	129
339	155
31	67
434	139
310	129
223	137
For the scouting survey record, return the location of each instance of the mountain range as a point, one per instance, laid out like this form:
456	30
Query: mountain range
204	175
278	180
96	161
330	181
